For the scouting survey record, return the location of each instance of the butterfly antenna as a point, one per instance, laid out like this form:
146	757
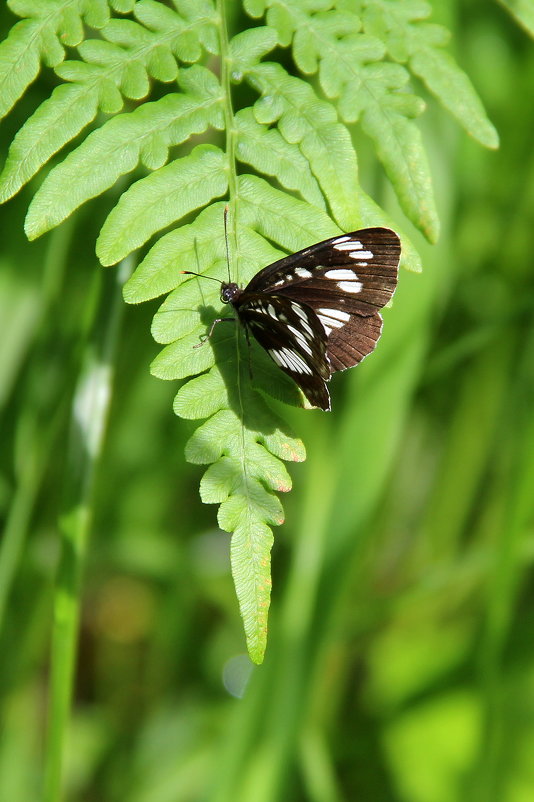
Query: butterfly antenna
226	240
200	275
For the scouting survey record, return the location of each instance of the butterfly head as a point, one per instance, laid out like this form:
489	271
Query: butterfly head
229	292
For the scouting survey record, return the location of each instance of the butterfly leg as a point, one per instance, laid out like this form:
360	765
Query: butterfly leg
210	332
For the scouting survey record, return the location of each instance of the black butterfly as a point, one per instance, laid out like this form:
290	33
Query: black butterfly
316	312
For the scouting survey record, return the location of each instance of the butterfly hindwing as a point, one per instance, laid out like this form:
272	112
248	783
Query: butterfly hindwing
349	344
293	337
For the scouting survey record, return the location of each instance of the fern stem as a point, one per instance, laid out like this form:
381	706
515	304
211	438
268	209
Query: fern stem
229	125
89	415
230	128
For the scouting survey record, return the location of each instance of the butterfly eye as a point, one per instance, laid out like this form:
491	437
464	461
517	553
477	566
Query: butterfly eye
229	292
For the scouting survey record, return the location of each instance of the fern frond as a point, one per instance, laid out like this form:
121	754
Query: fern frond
242	441
57	120
162	198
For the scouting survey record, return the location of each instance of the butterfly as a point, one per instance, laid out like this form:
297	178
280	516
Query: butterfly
316	312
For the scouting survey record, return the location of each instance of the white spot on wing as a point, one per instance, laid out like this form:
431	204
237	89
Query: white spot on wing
341	239
350	286
331	322
278	358
348	246
361	255
271	311
303	315
295	362
302	272
324	322
298	310
336	314
286	358
300	338
342	273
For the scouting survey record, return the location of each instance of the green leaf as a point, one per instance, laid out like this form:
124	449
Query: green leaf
116	148
523	11
56	122
411	40
49	27
331	43
255	8
196	247
180	359
398	144
19	63
249	47
310	123
455	91
201	397
199	247
186	32
242	472
94	78
124	6
251	545
179	315
350	61
263	207
268	152
160	199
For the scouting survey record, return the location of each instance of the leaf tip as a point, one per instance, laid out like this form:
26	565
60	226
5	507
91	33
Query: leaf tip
491	139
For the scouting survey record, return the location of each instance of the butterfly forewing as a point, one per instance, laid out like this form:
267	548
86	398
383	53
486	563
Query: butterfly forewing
357	271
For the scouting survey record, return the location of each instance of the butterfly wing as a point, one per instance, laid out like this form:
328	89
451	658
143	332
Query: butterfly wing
293	337
345	280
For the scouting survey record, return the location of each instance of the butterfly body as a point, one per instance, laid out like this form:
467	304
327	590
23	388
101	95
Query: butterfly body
316	312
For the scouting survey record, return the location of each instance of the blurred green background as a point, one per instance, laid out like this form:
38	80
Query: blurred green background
400	663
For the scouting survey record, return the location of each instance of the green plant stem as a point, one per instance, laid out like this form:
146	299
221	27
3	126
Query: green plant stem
89	413
229	124
38	425
506	572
